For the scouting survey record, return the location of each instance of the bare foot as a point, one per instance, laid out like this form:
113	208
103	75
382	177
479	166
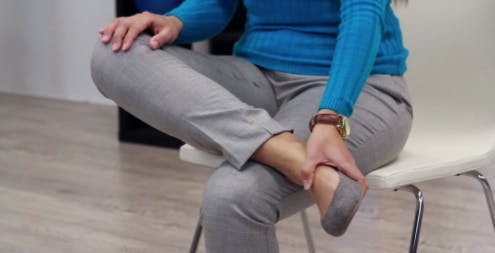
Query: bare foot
287	153
284	152
325	183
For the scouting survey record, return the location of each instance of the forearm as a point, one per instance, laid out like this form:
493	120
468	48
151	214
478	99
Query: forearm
203	19
357	46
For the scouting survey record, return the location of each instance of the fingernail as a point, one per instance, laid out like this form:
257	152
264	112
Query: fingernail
101	30
306	184
115	46
153	44
104	38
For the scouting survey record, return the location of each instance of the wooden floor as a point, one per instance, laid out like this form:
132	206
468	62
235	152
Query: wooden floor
67	185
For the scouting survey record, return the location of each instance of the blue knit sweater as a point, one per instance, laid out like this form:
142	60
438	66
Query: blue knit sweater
345	39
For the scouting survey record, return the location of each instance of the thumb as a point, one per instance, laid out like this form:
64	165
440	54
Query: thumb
307	172
160	39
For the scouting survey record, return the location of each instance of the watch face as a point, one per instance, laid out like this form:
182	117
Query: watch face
346	127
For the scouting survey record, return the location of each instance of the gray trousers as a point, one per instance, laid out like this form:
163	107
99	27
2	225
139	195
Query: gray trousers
227	105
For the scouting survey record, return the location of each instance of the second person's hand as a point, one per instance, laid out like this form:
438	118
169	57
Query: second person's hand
121	32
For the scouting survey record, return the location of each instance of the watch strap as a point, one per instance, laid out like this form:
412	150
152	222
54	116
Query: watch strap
324	118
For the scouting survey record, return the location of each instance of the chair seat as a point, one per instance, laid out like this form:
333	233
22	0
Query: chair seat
191	154
432	155
427	155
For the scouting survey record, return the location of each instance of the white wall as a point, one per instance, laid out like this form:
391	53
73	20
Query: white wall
45	47
452	52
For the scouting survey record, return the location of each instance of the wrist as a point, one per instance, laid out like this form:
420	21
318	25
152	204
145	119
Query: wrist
333	119
324	127
321	111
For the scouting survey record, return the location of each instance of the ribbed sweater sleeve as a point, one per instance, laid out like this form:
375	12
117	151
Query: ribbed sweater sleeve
355	52
203	19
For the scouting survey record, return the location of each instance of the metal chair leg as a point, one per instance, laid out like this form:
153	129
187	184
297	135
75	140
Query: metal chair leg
307	232
487	189
304	219
418	216
197	236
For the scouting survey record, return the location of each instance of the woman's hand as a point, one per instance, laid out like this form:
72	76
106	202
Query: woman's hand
121	32
325	146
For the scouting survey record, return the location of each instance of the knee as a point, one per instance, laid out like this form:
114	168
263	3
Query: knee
236	201
108	67
99	66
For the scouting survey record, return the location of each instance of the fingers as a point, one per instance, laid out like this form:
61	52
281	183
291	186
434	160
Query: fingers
114	32
131	35
122	32
166	29
308	173
163	37
107	31
326	147
140	23
118	36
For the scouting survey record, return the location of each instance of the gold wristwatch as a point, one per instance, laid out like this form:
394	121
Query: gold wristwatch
338	120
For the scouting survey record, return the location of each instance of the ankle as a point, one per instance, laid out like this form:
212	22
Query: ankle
284	152
326	181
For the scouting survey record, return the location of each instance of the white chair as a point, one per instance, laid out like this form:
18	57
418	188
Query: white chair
193	155
454	125
447	139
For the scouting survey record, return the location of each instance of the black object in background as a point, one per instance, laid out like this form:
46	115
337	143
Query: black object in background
132	129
